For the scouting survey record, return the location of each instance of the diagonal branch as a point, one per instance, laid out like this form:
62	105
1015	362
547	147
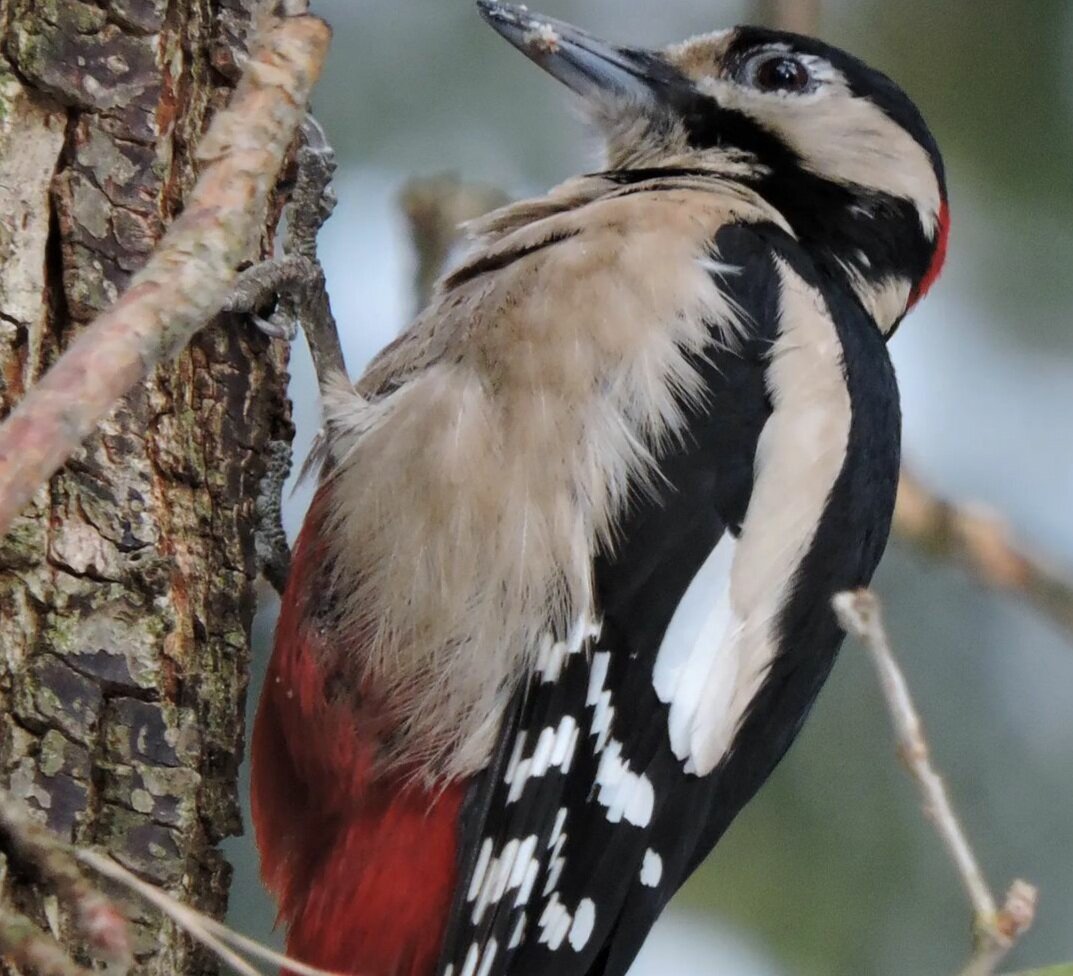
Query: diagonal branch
187	279
35	851
980	541
996	930
799	16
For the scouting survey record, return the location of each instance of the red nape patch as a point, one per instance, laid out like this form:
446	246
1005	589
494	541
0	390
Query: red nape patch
938	259
363	864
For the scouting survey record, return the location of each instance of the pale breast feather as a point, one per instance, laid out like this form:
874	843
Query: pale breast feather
488	454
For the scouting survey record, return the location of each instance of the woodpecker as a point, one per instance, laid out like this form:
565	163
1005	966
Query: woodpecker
563	599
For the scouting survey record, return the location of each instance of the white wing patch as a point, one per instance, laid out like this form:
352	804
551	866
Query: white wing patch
723	636
697	649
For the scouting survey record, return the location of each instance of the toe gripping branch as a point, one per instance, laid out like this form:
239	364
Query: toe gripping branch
295	283
293	286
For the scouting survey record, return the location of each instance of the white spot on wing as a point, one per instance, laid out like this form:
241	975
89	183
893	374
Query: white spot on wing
583	924
554	922
555	845
522	862
488	957
565	741
478	872
597	676
600	699
525	889
519	932
552	655
515	868
651	869
626	794
554	749
469	968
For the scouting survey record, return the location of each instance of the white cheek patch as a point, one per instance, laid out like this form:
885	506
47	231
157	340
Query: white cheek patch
841	137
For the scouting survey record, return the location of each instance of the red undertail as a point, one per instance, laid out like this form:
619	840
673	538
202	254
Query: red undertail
363	866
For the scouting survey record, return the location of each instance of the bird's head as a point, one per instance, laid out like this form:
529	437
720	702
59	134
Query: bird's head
834	145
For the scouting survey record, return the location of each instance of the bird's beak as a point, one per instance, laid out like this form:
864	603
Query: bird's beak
580	61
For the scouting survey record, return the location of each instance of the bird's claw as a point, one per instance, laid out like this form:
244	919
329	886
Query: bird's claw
276	326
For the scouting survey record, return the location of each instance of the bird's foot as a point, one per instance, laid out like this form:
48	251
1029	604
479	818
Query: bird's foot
285	294
281	296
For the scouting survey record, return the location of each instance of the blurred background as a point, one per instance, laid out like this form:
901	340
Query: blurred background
832	871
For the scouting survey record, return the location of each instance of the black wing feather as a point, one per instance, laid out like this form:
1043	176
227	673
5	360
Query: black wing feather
705	490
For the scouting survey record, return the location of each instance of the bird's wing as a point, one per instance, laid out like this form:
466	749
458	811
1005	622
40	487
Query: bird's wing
641	734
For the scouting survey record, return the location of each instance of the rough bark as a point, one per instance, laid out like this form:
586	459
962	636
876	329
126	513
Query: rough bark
126	590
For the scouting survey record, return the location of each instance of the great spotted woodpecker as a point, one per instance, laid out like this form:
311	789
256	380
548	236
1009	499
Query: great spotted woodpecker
562	601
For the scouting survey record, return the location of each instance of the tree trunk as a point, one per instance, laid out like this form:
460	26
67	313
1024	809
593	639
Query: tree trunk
126	589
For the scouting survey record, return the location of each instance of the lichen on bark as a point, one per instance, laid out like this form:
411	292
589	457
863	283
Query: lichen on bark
126	589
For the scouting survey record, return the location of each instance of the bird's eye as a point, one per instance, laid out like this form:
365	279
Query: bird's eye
776	72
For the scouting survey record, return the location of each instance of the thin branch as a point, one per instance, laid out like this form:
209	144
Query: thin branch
28	947
978	539
188	278
996	930
206	930
799	16
436	209
34	850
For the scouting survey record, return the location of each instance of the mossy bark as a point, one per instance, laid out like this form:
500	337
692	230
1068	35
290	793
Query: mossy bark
127	588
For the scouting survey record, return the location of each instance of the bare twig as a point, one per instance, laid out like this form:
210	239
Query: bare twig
187	279
799	16
28	947
996	930
436	209
979	540
34	850
216	936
